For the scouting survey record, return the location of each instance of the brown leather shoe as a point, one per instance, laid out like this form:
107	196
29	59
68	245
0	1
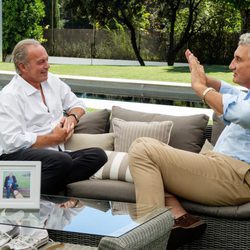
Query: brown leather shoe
186	229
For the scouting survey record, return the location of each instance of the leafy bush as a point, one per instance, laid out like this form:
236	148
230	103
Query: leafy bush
21	19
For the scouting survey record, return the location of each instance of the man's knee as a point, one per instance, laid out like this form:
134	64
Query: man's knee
140	143
137	146
143	144
100	155
58	161
139	149
96	155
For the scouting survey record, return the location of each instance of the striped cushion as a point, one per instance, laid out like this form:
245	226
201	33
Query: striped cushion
116	168
127	131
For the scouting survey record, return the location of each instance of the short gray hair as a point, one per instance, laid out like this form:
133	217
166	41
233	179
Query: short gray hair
20	52
244	39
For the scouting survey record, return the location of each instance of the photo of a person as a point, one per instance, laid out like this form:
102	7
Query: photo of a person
10	184
16	184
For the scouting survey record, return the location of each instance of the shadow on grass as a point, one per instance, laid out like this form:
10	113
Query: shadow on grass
208	69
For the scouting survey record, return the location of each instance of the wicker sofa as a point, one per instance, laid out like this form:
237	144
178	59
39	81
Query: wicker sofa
228	227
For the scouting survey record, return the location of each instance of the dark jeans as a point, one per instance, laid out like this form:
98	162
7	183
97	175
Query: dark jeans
60	168
9	191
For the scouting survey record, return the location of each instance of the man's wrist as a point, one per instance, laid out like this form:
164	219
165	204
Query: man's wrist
75	116
205	92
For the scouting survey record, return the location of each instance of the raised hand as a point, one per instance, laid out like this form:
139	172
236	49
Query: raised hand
198	76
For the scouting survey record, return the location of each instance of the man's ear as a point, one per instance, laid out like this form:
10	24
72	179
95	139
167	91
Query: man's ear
22	67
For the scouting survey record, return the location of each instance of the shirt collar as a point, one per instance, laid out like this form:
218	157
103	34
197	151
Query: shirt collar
27	87
247	95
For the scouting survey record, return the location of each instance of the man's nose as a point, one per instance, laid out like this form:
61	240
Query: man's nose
47	65
232	65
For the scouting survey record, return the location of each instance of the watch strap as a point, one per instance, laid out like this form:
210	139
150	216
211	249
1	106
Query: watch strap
75	115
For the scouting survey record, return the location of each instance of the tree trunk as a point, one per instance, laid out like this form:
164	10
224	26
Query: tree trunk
135	47
171	52
133	40
171	56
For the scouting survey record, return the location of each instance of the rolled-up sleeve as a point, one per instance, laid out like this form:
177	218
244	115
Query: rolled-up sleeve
227	88
69	99
12	127
12	143
236	106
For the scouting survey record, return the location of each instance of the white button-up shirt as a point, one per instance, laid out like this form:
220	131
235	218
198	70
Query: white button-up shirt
24	116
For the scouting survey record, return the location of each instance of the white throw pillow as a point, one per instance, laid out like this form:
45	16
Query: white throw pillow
127	131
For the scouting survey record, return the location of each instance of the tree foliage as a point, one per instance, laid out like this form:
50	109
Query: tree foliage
243	6
52	13
21	19
180	22
129	14
181	19
218	38
74	15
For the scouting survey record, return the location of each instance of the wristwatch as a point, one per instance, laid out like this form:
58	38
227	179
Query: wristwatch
75	115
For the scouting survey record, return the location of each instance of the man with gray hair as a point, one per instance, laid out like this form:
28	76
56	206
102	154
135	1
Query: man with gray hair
33	124
219	177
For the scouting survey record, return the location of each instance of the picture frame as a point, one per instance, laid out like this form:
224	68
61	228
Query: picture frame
20	183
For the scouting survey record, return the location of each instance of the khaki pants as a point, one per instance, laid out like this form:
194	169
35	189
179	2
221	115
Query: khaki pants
209	178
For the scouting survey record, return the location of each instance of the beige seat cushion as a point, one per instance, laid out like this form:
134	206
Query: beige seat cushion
81	141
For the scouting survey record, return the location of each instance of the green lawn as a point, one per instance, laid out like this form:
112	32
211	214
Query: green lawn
155	73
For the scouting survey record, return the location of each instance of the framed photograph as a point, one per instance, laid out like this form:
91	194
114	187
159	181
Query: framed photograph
20	184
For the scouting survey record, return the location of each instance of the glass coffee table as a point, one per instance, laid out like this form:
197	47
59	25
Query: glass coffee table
81	221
